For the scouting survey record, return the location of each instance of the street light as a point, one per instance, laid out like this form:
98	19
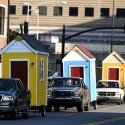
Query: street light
36	11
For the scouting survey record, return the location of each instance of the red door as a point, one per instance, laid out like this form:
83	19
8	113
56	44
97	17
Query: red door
77	72
19	70
113	74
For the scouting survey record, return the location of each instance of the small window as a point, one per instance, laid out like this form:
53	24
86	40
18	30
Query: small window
104	12
42	10
120	13
89	11
42	69
25	9
57	11
73	11
12	9
2	15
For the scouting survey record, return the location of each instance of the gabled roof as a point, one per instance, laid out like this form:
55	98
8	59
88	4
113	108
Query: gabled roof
115	54
85	51
33	42
30	41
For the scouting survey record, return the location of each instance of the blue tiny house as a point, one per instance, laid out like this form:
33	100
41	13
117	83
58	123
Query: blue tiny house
79	62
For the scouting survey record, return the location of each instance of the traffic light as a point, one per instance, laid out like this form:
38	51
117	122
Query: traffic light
26	27
124	27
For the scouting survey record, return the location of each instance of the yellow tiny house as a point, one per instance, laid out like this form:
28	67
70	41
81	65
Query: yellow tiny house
113	68
27	59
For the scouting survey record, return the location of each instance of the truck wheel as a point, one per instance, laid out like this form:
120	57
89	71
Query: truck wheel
56	108
119	102
43	111
27	112
95	105
15	113
48	108
122	101
87	107
80	107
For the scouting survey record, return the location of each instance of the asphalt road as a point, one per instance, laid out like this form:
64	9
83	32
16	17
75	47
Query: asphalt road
106	114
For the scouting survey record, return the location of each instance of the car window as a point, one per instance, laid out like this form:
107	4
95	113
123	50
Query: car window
6	84
107	84
66	83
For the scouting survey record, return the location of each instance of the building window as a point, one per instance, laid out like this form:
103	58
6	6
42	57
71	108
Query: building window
24	10
104	12
89	11
2	15
42	10
73	11
57	11
42	69
12	9
120	13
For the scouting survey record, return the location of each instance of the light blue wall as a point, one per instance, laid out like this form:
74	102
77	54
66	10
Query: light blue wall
88	72
68	64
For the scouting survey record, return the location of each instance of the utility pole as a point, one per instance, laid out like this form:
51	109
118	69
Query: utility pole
63	48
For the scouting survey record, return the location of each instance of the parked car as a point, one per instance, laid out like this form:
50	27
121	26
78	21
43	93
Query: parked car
68	92
14	98
50	73
54	75
110	91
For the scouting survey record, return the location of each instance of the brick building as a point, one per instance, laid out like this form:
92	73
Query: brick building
3	22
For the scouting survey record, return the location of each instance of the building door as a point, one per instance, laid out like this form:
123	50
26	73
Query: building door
113	74
77	72
19	69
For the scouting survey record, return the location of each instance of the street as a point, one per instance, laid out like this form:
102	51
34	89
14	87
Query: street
106	114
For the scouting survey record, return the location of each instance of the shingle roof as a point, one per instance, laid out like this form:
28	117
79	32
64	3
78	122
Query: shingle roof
34	43
85	51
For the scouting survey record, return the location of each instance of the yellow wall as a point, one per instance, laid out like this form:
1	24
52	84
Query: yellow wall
113	65
42	84
31	73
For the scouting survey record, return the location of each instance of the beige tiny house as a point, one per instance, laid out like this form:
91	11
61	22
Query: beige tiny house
113	68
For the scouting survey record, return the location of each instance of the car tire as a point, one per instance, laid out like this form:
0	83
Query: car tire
43	111
95	105
56	108
48	108
27	113
80	107
119	102
15	113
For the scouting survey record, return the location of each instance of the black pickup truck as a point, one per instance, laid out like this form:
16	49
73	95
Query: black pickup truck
68	92
14	98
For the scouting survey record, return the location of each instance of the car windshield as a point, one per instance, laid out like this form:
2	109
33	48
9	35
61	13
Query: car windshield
107	84
7	84
66	82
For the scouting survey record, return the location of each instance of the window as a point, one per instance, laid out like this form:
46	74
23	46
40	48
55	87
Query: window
42	10
120	13
104	12
89	11
73	11
57	11
25	9
42	69
12	9
2	15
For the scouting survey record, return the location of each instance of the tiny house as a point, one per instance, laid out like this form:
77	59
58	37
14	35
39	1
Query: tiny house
113	68
25	58
79	62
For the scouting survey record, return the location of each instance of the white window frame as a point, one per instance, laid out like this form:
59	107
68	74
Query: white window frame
42	69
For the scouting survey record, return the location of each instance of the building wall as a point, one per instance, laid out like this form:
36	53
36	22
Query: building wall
50	26
3	37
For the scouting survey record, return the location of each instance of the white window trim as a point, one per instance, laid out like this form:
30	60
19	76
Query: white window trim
42	69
